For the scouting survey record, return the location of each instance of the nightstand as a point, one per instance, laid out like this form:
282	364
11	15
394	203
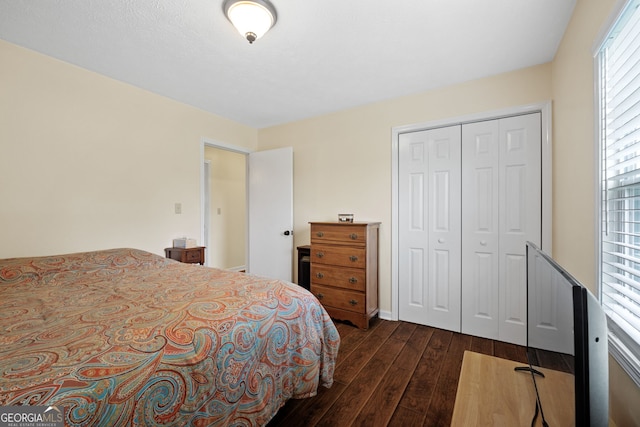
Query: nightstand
188	255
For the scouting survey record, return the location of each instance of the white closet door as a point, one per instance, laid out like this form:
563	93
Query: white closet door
429	231
480	228
520	218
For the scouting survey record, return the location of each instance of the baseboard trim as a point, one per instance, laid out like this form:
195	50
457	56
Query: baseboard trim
386	315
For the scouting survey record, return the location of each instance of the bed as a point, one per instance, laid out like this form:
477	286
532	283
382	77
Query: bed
126	337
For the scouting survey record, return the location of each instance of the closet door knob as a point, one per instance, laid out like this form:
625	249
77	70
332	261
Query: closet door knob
483	242
441	240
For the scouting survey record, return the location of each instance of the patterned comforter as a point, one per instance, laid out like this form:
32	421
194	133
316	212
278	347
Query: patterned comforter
126	337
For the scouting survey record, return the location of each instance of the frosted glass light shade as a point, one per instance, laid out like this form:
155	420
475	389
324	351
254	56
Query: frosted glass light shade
252	18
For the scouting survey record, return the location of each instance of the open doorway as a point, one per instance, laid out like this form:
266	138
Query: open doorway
225	208
259	224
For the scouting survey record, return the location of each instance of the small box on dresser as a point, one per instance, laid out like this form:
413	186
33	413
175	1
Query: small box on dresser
344	269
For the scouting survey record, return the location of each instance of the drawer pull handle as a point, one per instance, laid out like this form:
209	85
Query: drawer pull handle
353	258
320	234
353	280
319	275
353	302
353	236
320	296
319	254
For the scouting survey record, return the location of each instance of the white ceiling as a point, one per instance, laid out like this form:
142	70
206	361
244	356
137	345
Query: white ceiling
321	56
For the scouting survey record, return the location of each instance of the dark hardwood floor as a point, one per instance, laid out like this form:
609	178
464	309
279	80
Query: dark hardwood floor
394	374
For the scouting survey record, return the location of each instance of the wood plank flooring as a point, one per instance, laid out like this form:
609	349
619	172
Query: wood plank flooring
394	374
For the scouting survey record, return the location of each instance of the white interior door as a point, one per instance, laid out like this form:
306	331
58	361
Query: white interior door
271	213
206	224
429	232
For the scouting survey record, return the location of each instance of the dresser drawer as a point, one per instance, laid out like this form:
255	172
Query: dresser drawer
340	298
339	234
348	278
339	255
193	256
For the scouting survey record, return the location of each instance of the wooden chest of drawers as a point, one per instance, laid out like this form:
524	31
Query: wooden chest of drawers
344	269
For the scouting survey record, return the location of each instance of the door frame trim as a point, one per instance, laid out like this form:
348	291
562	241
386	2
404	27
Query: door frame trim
544	108
206	142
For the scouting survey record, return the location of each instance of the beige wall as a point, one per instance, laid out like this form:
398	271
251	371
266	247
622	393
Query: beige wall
228	219
574	146
574	149
87	162
342	161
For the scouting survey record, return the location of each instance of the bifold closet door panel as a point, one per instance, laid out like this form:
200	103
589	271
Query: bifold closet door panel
520	217
480	228
430	227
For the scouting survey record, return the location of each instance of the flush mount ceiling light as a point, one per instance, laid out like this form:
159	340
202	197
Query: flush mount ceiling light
252	18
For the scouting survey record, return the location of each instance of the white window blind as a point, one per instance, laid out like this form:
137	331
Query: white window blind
619	73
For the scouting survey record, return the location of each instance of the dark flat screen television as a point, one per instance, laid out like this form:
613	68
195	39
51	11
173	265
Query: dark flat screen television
567	330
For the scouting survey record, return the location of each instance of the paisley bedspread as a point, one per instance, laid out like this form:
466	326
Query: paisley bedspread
126	337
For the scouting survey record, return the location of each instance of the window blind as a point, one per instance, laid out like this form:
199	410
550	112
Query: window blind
619	61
